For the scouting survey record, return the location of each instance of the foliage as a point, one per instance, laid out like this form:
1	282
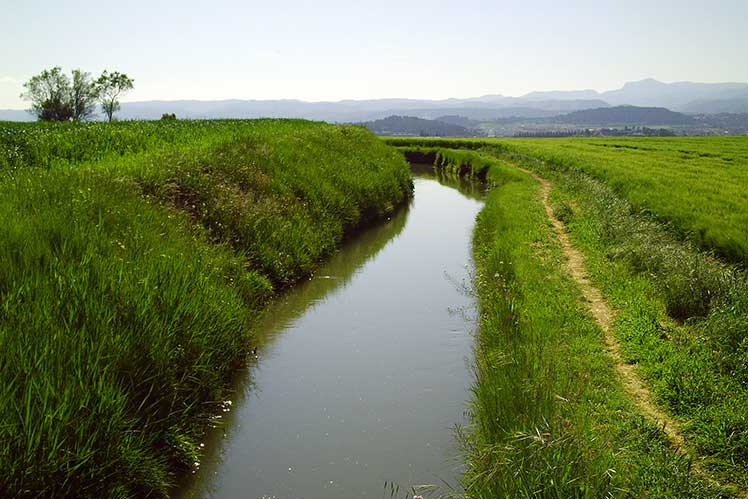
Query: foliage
550	419
697	364
55	97
109	87
53	145
131	272
549	416
83	95
49	93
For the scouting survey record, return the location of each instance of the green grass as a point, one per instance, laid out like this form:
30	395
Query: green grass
55	144
682	316
458	162
130	279
695	184
549	417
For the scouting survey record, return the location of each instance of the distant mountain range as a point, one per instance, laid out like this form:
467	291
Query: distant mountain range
15	115
604	121
697	98
626	115
410	126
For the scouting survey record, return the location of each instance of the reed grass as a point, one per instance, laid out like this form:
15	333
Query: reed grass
549	415
130	277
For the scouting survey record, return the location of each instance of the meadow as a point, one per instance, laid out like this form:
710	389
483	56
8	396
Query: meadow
134	260
136	257
550	418
694	184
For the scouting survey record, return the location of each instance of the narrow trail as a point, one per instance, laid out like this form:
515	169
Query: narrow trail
604	316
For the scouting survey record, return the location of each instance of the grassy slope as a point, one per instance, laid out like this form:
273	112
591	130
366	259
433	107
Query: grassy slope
704	178
682	315
550	418
698	365
129	280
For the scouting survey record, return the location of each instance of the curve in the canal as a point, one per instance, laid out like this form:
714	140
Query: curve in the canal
364	369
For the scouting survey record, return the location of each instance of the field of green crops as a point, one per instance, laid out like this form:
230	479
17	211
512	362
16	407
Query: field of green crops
54	144
133	260
697	184
135	257
549	416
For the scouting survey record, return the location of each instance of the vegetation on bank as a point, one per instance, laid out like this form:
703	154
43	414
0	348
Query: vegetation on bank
682	315
51	145
133	262
694	185
550	417
697	185
459	162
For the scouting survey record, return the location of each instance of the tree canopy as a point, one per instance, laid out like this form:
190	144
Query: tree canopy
110	86
49	93
56	97
83	95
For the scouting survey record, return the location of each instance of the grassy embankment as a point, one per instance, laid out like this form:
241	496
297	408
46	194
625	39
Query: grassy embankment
550	416
695	185
682	312
133	261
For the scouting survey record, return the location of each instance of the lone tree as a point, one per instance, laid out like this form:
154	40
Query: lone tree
109	87
55	98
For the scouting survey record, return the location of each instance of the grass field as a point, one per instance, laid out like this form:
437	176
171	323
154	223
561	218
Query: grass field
55	144
135	257
132	263
682	316
550	417
696	184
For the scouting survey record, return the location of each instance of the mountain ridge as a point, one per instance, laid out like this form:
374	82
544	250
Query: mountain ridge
683	96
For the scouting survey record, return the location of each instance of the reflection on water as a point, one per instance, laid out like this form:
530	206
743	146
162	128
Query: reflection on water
363	371
467	187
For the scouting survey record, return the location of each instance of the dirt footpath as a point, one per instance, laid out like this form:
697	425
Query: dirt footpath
605	316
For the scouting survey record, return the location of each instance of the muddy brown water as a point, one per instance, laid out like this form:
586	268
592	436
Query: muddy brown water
364	369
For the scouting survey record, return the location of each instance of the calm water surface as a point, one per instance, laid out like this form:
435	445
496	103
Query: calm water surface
364	369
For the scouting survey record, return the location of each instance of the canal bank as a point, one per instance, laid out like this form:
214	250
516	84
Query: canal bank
364	370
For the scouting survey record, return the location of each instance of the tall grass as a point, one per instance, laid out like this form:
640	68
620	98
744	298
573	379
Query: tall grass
682	311
695	184
549	417
459	162
129	285
682	316
704	178
55	144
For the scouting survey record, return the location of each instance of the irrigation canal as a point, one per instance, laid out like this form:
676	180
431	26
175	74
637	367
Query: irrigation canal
364	369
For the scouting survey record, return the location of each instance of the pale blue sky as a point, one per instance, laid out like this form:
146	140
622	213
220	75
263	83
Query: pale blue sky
332	50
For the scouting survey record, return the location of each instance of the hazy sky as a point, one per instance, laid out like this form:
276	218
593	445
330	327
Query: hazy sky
345	49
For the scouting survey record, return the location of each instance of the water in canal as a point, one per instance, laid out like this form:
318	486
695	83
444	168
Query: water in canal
364	369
